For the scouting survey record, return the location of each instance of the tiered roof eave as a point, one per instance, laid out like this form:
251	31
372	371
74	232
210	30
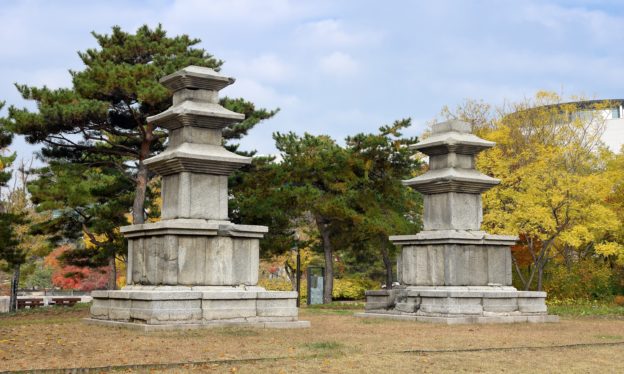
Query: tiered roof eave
197	158
452	142
196	77
199	114
452	180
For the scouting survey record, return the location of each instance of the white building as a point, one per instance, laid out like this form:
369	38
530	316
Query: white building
614	133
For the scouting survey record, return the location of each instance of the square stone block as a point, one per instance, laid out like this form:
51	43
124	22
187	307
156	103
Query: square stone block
163	316
499	265
99	310
408	304
422	265
532	304
119	313
276	307
380	299
500	305
217	309
161	311
448	305
465	265
452	211
194	195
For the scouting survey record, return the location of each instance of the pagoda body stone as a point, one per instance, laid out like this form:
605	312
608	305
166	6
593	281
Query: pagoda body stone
452	272
194	268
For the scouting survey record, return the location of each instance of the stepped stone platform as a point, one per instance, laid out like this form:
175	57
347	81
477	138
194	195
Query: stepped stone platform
163	308
458	305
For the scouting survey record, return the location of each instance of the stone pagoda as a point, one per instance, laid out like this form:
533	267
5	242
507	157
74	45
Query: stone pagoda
194	268
452	272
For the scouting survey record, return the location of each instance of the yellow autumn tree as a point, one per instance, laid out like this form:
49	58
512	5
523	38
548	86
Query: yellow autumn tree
555	187
614	249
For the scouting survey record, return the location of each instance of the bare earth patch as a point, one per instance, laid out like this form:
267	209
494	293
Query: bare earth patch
337	342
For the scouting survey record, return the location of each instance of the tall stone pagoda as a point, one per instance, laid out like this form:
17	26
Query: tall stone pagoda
194	268
452	272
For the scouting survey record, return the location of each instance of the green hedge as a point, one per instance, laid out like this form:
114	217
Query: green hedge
585	280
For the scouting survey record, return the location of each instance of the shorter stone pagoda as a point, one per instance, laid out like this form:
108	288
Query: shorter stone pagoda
194	268
452	272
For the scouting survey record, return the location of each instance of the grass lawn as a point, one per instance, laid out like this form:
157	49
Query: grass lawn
337	342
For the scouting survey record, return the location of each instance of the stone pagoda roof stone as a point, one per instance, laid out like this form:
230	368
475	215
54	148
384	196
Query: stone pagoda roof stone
193	113
196	77
197	158
452	136
452	180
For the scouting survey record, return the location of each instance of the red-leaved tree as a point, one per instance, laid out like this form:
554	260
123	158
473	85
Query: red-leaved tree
70	277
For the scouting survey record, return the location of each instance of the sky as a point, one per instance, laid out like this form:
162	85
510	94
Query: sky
342	67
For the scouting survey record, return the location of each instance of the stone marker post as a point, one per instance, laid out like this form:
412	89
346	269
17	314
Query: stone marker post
194	268
452	272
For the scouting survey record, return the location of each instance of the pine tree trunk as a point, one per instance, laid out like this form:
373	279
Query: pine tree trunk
387	263
112	274
14	287
328	282
138	207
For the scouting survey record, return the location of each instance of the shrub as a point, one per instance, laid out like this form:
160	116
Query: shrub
352	288
281	284
69	277
348	288
275	284
587	280
40	278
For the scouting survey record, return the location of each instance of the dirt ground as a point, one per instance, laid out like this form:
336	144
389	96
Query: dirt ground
337	342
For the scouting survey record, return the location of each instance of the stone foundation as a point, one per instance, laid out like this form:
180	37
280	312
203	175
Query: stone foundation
456	264
158	308
193	252
454	305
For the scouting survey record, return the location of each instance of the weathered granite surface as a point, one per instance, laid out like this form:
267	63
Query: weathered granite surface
169	307
194	268
452	272
458	305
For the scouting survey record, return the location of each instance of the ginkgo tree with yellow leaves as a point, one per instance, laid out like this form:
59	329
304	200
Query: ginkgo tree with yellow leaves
557	192
614	250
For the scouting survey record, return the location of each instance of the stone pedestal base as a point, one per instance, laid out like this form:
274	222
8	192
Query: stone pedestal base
164	308
454	305
193	252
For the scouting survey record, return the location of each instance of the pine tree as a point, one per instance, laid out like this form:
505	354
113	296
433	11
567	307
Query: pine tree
318	173
11	256
95	135
5	161
88	206
384	205
105	111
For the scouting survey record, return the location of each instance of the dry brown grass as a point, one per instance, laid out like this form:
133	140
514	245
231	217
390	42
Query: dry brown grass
337	342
